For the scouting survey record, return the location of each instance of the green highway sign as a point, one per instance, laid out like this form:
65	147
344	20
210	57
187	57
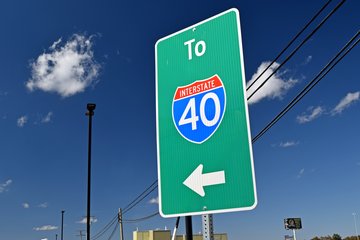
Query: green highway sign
204	149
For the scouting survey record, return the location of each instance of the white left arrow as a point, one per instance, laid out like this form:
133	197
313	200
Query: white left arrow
197	180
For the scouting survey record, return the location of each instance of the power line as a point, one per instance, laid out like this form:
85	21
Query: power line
113	232
128	207
105	228
128	221
298	47
142	198
290	43
139	196
332	63
141	219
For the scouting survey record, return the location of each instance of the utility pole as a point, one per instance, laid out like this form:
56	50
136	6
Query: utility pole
90	107
121	224
55	236
81	234
188	225
62	225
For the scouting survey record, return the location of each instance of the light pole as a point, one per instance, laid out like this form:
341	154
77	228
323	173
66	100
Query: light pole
188	226
356	231
62	225
90	107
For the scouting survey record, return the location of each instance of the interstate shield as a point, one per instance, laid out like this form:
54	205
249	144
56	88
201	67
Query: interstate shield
198	109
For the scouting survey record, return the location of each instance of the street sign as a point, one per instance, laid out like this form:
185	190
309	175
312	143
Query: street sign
204	147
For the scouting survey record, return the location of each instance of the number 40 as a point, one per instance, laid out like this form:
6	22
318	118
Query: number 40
194	118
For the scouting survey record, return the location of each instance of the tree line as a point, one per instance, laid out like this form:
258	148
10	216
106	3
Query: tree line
335	236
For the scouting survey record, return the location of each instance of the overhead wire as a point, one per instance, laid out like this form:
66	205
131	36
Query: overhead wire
113	232
142	218
131	221
127	208
105	228
142	198
329	66
298	47
290	43
139	196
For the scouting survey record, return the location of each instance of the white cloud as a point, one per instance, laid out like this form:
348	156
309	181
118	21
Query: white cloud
67	69
307	60
275	87
84	220
22	121
154	200
5	186
26	205
46	228
47	118
53	46
43	205
3	93
44	239
301	172
313	113
288	144
346	102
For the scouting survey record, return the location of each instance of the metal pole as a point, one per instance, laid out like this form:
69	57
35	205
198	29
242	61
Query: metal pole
175	228
188	225
357	235
90	107
62	225
294	235
121	224
207	227
81	234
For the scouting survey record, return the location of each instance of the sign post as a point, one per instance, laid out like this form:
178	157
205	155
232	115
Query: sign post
205	162
293	224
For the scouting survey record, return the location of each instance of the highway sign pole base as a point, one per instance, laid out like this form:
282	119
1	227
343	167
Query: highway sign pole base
207	227
188	225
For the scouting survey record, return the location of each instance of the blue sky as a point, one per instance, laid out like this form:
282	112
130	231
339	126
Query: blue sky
58	56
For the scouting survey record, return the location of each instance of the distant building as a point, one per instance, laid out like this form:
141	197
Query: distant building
152	235
217	236
166	235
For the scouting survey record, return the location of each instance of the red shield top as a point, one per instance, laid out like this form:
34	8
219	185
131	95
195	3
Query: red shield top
198	87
